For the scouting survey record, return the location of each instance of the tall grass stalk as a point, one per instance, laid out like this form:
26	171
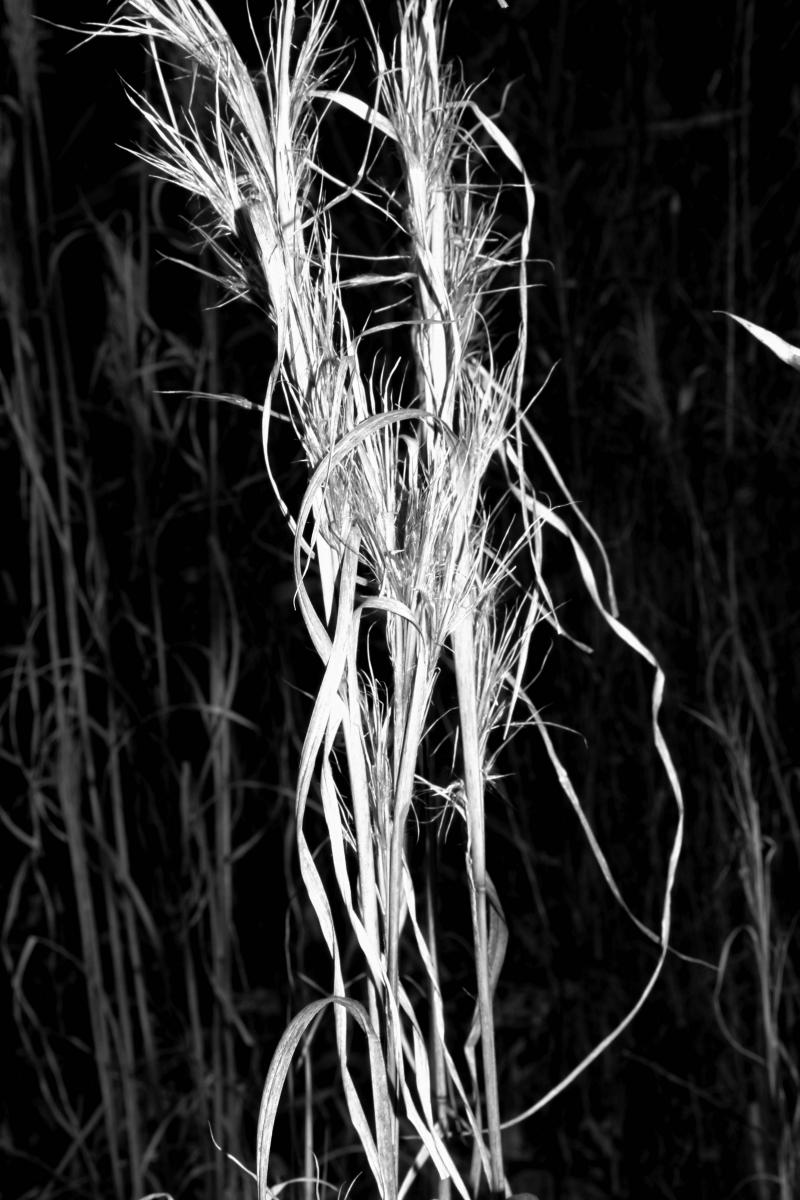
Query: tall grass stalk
419	628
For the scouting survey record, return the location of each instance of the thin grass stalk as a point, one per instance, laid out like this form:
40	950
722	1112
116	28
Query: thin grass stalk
133	910
309	1172
69	792
368	892
133	382
111	914
195	1035
464	658
127	315
439	1073
223	654
111	918
412	725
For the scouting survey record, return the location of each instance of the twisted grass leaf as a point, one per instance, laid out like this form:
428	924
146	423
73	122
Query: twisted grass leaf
380	1151
320	728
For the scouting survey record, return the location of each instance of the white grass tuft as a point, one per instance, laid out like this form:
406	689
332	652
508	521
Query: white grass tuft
396	522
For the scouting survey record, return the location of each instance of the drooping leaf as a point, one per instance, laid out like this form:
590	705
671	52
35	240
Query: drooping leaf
783	350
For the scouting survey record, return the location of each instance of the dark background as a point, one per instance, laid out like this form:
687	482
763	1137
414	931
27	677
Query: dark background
155	677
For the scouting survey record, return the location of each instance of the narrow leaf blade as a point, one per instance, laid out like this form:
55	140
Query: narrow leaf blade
783	350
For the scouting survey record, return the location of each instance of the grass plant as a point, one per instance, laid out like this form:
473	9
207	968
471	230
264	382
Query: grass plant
423	644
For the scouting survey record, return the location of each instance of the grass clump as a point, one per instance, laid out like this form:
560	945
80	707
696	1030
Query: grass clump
410	424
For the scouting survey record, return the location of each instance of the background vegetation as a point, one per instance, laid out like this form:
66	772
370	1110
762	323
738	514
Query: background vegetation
156	676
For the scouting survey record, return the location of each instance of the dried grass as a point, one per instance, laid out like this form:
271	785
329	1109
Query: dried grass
418	614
